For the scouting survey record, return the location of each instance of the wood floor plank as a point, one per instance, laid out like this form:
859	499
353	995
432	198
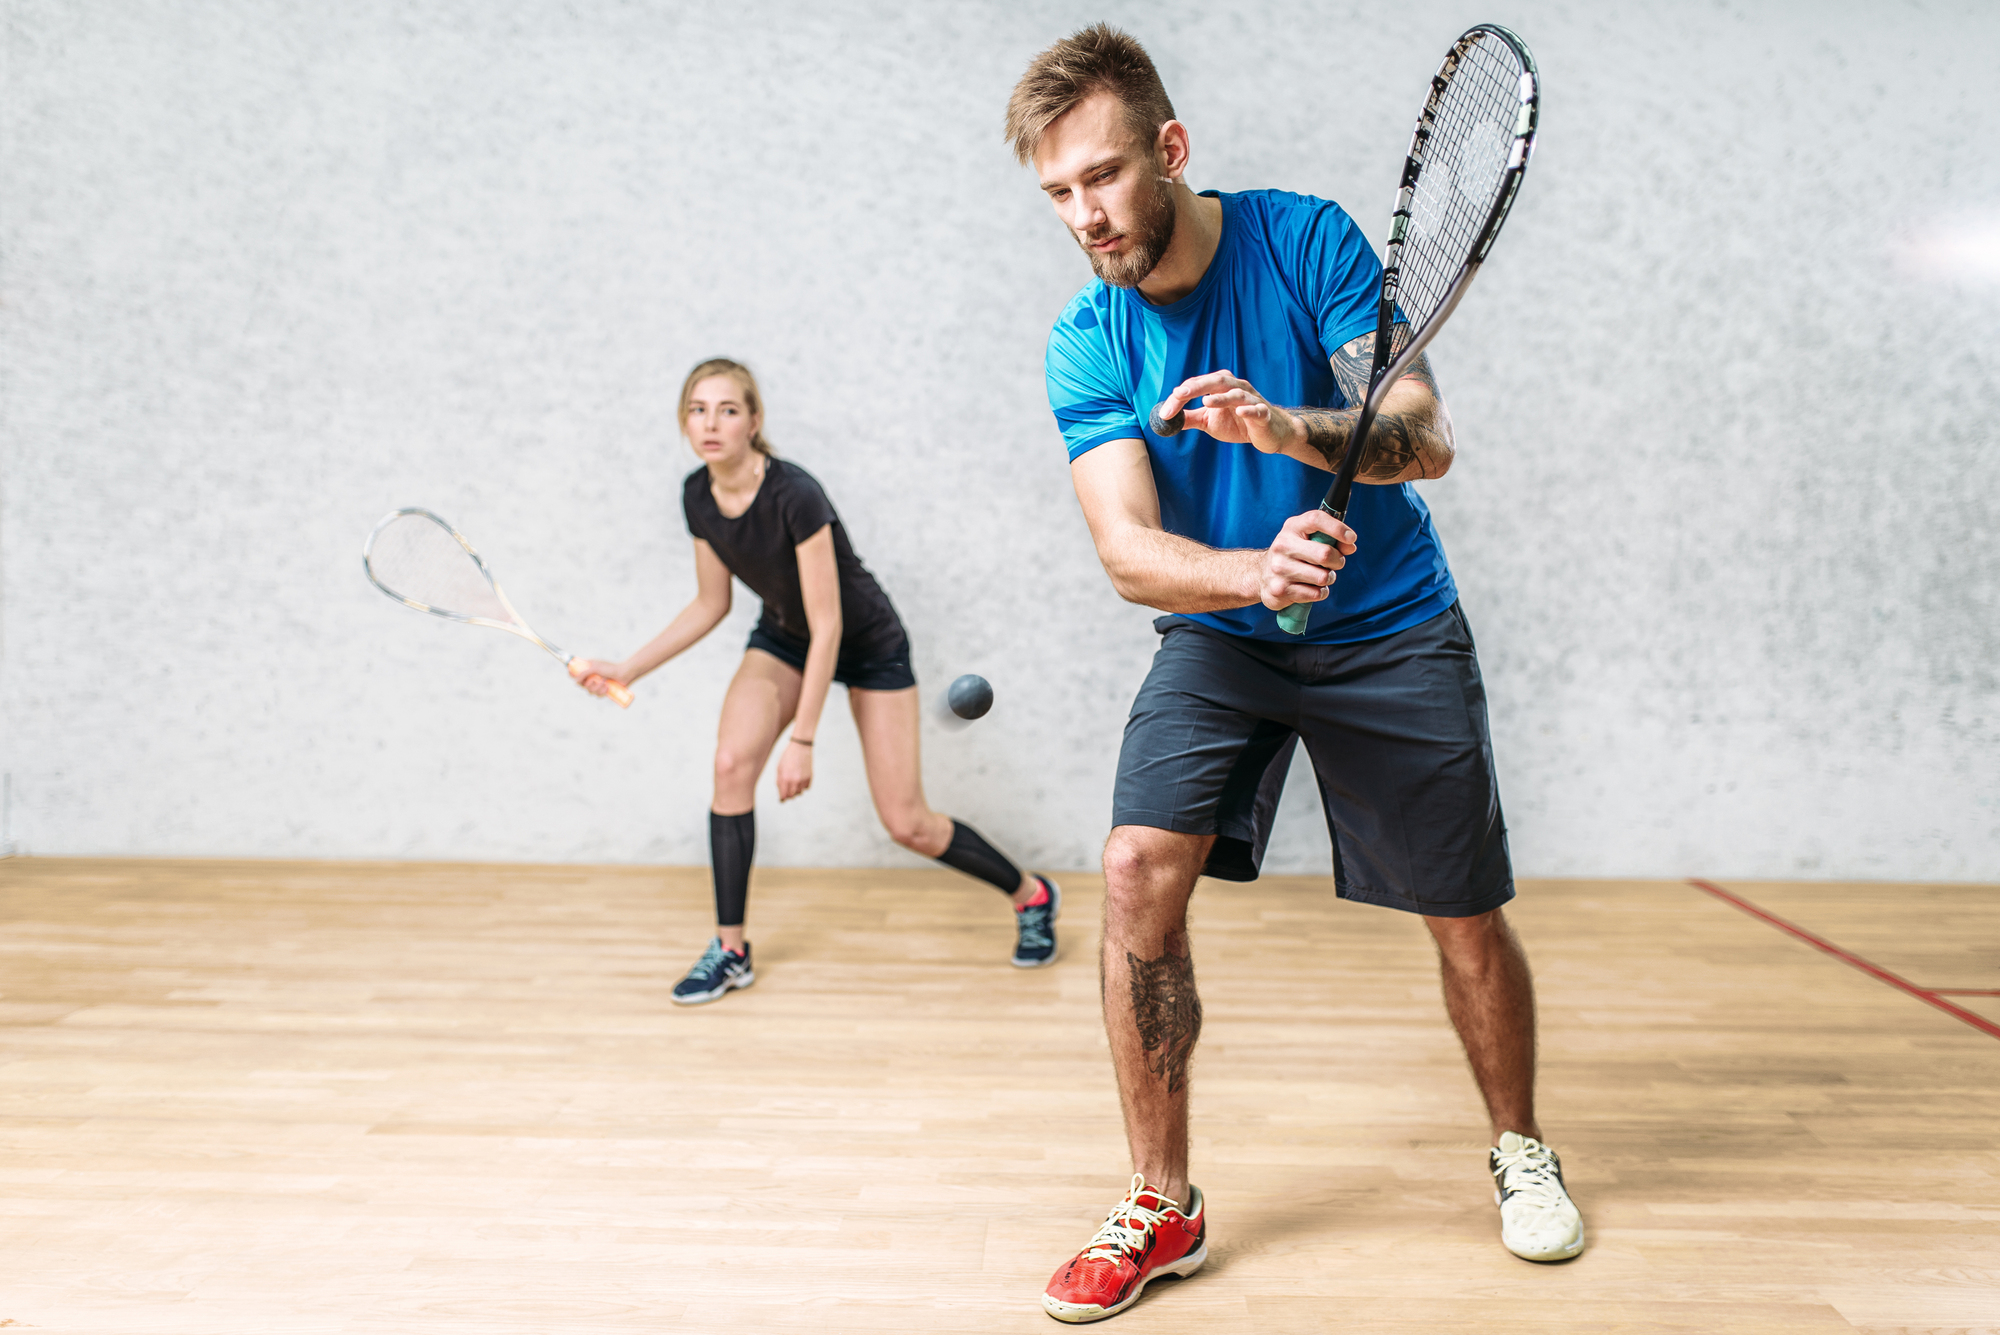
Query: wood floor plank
332	1097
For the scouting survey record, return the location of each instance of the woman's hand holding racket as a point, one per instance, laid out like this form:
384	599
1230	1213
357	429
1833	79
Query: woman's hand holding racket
599	677
1300	564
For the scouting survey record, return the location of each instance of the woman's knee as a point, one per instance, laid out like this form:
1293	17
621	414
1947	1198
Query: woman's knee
908	826
734	768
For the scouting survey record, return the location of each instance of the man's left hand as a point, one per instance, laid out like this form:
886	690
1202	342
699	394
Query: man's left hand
1232	410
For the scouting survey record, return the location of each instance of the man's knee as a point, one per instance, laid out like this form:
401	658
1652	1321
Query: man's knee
1473	940
1144	867
1140	855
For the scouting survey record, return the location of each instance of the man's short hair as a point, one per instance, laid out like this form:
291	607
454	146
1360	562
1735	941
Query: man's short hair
1100	58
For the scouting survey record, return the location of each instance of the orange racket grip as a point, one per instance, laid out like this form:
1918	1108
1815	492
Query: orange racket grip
615	690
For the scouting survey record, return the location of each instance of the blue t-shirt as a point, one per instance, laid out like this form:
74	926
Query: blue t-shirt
1292	280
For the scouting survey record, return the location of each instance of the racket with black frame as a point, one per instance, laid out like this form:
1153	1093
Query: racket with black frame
423	562
1466	160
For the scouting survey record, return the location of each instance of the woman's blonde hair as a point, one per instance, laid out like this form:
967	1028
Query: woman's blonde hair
752	399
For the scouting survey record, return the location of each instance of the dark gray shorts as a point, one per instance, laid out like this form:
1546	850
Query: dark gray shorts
1395	729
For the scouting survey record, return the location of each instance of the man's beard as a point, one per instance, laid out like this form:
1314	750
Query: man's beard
1151	232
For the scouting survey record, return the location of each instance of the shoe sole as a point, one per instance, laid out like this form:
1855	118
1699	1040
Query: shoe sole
1055	893
703	998
1569	1253
1076	1314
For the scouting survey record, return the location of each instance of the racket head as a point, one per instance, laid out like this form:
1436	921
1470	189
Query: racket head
1468	154
421	561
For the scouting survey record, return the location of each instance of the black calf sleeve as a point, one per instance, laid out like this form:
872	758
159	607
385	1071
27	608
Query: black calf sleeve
975	857
731	842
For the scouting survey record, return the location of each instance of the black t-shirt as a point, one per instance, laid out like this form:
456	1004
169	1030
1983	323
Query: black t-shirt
759	547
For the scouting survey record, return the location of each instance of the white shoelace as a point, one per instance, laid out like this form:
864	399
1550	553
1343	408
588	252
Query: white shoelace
1530	1173
1123	1232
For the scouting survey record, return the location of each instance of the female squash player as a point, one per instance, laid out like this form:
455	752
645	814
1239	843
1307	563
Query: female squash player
769	523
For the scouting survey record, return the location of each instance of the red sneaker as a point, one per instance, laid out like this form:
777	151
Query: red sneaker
1147	1236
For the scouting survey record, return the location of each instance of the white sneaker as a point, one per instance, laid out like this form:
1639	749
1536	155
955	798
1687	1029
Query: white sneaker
1538	1221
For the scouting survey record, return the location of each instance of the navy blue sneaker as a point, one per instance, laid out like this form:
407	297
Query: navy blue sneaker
1035	929
714	973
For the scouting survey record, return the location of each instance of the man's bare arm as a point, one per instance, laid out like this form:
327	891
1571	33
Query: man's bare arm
1411	435
1150	566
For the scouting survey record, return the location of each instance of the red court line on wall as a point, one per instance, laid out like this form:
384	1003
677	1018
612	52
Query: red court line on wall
1929	996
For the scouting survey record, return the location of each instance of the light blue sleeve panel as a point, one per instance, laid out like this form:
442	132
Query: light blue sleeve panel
1340	280
1090	389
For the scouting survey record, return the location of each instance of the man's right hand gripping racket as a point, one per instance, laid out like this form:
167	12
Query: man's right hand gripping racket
1465	164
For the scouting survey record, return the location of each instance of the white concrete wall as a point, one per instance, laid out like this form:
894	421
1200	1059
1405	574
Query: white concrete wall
1724	514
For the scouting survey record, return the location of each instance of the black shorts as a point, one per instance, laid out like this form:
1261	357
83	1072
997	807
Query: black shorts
883	665
1395	729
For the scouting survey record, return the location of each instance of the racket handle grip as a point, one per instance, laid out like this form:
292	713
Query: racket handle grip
1292	620
615	689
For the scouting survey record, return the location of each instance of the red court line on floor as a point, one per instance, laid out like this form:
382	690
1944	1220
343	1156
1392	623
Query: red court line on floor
1929	996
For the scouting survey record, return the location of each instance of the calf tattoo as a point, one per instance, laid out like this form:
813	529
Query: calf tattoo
1167	1013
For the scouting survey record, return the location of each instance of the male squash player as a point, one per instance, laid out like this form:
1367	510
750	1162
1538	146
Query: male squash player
1261	306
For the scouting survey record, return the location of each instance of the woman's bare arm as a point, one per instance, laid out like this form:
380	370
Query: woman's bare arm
819	585
698	618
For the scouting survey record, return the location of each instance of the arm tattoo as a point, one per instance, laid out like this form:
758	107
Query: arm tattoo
1167	1012
1395	440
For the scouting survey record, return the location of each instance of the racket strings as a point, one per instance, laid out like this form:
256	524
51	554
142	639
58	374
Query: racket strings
1465	157
416	558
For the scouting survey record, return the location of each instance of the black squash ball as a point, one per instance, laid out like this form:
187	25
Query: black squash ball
970	696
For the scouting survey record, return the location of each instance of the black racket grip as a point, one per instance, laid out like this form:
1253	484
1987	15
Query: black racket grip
1165	426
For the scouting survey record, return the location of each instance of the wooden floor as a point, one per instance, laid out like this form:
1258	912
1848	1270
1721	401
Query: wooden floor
266	1097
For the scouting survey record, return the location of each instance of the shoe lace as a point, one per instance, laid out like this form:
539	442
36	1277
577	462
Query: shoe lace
1124	1231
710	961
1034	926
1530	1172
